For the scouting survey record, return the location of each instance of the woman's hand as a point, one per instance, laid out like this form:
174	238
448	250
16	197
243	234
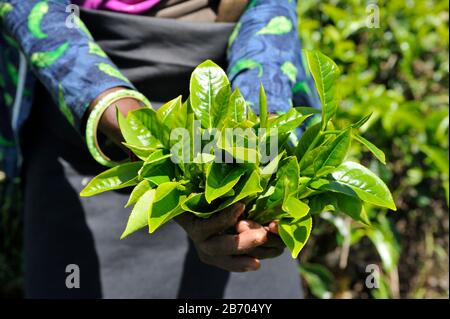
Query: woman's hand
237	252
272	247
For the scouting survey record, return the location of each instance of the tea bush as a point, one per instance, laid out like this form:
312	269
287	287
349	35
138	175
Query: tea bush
398	71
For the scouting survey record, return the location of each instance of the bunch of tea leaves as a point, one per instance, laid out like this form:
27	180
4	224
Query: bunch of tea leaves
189	161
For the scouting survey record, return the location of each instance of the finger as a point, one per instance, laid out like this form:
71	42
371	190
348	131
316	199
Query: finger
237	263
251	238
273	240
221	221
238	244
264	253
244	225
273	227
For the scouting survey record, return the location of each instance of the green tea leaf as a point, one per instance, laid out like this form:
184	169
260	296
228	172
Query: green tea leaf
354	179
295	234
142	152
242	147
333	154
295	207
206	82
325	73
371	147
196	203
142	128
155	159
137	192
120	176
173	114
251	115
272	167
286	182
221	178
166	205
221	102
306	140
306	110
237	107
352	207
322	202
362	121
248	186
139	215
287	122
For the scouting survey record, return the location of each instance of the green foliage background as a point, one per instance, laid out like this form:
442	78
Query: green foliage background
398	71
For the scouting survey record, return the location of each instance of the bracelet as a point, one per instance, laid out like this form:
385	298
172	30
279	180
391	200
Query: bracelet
94	119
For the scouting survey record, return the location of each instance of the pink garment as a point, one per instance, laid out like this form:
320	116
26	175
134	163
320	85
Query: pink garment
125	6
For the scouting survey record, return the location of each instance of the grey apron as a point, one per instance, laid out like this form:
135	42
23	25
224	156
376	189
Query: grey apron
157	55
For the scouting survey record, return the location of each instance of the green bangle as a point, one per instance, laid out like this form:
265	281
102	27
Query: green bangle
94	119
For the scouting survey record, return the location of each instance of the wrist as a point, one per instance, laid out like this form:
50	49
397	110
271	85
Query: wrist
102	118
108	122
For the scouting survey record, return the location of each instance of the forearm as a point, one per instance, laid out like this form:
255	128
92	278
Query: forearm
265	48
67	61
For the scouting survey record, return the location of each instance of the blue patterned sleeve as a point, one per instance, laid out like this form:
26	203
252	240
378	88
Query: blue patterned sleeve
65	59
265	48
